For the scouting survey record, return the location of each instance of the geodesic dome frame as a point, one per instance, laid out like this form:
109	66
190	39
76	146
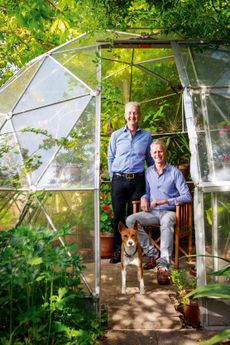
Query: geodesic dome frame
51	111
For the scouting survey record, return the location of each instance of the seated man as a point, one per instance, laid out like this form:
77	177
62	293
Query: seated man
165	187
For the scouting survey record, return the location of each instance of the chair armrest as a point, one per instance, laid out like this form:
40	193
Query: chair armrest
184	215
136	205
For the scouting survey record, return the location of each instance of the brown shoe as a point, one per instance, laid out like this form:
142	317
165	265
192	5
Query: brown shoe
163	277
151	263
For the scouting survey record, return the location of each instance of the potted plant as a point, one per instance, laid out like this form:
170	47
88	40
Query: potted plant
185	283
69	165
106	222
216	290
179	152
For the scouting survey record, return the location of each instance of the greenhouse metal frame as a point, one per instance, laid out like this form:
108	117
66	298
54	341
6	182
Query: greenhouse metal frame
57	96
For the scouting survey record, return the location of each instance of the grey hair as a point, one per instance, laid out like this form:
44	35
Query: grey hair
134	104
159	142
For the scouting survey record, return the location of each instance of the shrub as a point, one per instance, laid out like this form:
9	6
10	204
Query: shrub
40	290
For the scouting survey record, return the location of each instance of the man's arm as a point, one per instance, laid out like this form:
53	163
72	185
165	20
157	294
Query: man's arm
148	157
182	187
184	194
111	153
146	197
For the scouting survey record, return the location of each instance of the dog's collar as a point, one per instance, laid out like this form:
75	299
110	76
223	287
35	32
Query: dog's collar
128	255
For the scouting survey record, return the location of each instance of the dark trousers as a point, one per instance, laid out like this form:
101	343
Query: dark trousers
123	192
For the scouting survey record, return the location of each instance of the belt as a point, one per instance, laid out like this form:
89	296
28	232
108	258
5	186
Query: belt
128	176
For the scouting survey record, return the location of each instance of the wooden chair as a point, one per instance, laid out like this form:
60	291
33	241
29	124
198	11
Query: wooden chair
183	229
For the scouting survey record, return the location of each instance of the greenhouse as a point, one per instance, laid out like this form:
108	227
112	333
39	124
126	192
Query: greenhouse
56	115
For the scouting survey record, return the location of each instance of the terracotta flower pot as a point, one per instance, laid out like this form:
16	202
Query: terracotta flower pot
107	245
184	168
191	313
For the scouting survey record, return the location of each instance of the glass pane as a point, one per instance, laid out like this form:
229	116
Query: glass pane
213	135
142	74
217	235
76	63
73	209
51	84
165	69
94	38
11	206
74	164
200	61
12	173
2	119
152	55
38	129
148	86
10	95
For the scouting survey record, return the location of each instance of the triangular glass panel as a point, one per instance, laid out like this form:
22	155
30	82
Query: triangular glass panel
113	63
12	172
51	84
35	214
11	207
218	109
39	130
164	70
74	164
210	60
224	77
199	61
80	41
2	120
75	61
14	89
151	55
158	87
93	39
74	208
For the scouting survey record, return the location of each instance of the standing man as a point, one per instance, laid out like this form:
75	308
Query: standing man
129	148
165	187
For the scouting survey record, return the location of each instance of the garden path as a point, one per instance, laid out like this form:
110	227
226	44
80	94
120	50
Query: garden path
148	319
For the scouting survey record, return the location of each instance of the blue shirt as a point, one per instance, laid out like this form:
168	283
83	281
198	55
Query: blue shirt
127	152
170	185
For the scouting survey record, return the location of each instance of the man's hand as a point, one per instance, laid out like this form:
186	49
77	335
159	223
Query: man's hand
144	204
157	202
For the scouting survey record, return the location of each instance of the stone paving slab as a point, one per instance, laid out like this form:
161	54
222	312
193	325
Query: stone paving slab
153	310
150	311
148	319
150	337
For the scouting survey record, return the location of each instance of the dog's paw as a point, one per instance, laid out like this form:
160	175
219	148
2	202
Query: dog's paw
123	291
142	287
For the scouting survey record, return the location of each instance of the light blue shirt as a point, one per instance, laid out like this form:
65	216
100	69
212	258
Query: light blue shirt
128	153
170	185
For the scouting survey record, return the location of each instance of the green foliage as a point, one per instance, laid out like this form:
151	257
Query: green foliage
41	298
29	28
215	291
183	281
223	335
106	212
211	291
178	150
195	19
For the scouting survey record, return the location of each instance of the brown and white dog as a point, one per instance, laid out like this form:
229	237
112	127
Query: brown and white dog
131	254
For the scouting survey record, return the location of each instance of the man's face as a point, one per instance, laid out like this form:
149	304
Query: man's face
132	115
158	153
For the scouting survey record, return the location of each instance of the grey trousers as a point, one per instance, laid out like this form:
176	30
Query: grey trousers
166	220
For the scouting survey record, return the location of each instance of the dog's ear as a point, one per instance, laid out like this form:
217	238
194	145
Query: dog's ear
120	226
135	226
